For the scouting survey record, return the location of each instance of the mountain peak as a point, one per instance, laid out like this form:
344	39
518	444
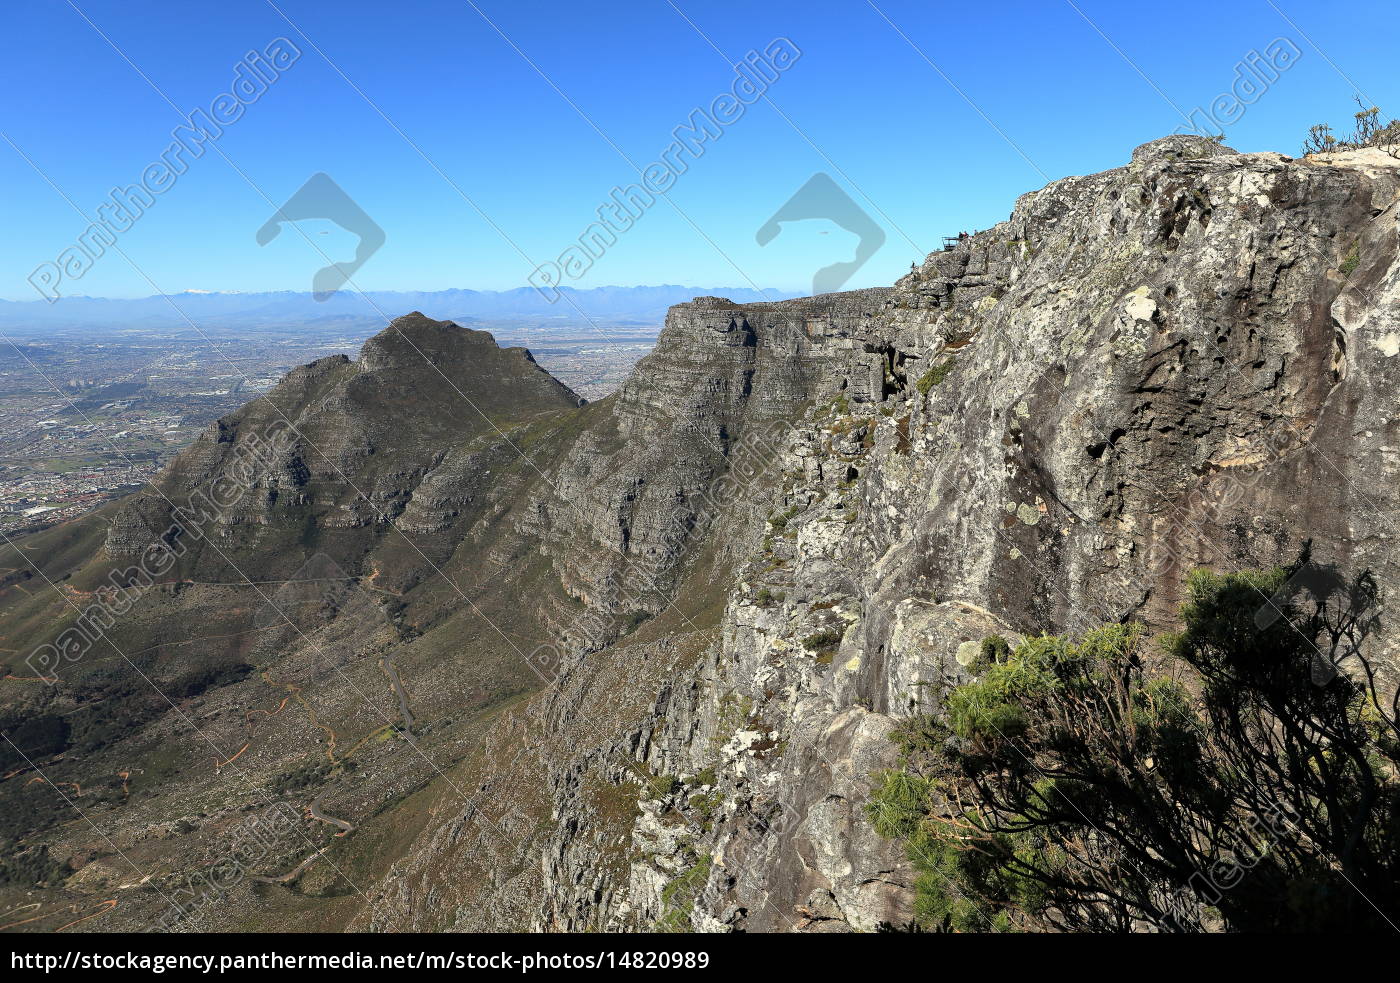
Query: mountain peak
430	354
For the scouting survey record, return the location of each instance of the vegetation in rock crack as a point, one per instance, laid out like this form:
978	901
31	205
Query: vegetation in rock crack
767	598
823	641
779	520
934	375
1351	261
661	786
680	893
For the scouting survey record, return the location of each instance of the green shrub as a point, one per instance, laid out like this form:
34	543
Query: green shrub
945	873
1351	262
31	867
824	640
767	598
1086	783
679	894
994	649
935	375
779	520
898	807
660	786
707	804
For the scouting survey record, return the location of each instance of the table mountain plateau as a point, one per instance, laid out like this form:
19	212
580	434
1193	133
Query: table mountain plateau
418	642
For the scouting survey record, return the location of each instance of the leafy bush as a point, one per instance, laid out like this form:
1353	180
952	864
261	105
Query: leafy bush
1319	140
1368	131
308	774
635	619
707	804
1351	262
31	867
779	520
1241	774
994	649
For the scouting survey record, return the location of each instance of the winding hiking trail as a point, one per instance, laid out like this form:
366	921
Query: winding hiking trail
105	907
219	765
15	911
77	789
397	684
102	908
271	713
314	811
296	871
295	692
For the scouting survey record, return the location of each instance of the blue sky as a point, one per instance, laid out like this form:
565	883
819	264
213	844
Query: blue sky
860	104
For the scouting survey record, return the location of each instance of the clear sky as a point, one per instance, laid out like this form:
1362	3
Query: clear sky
536	110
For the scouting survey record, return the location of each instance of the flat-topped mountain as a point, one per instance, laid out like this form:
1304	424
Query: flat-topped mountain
636	663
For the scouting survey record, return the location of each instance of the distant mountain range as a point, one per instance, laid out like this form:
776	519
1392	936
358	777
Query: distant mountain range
279	309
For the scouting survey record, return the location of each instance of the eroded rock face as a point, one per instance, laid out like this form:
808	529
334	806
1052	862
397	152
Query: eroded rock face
636	492
1188	361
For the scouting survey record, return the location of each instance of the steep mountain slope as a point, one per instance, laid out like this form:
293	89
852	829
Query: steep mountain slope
633	664
302	611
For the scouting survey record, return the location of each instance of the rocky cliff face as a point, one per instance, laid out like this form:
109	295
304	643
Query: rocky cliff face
655	646
1188	361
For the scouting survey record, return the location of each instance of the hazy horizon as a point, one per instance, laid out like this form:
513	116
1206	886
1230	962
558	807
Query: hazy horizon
505	142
